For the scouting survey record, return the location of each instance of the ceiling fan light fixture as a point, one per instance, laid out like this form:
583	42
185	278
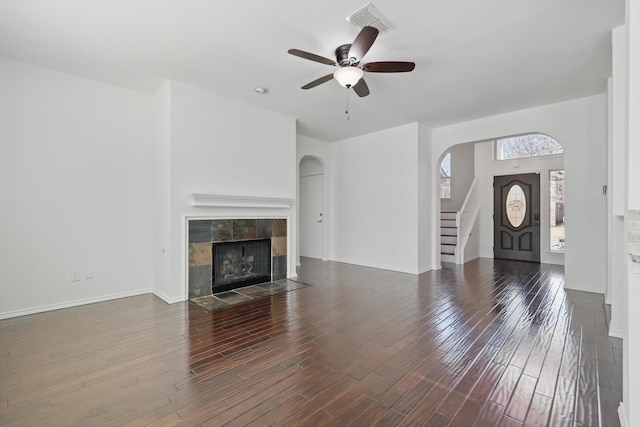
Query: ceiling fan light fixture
348	76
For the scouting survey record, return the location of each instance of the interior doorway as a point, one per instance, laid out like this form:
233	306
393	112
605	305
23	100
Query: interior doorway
516	217
311	207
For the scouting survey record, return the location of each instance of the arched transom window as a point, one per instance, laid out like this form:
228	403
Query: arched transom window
530	145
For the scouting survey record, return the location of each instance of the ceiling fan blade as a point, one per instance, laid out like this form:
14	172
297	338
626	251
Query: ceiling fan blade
389	67
319	81
311	56
363	42
361	89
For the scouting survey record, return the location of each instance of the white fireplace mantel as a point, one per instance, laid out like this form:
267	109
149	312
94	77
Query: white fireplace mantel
223	201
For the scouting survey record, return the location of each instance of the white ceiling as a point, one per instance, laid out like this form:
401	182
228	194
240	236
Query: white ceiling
474	58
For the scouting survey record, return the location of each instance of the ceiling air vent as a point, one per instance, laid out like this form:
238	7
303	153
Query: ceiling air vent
371	16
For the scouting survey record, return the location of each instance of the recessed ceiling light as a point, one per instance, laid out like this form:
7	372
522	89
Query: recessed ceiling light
262	90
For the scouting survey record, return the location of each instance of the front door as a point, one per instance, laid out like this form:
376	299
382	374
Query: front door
516	217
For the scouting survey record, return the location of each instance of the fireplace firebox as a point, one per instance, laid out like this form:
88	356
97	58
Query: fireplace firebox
240	263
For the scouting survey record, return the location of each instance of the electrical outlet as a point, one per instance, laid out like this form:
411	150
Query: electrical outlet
75	275
90	273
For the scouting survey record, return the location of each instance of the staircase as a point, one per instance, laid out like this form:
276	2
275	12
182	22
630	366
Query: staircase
448	236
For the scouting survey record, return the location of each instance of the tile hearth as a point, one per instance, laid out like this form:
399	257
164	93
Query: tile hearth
248	293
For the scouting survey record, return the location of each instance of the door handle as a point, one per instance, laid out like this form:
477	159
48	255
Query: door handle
319	220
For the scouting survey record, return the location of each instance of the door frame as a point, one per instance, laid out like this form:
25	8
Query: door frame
326	204
311	215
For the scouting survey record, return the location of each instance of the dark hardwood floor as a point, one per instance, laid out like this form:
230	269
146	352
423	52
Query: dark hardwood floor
492	343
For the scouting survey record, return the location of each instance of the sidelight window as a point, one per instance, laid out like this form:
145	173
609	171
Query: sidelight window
556	210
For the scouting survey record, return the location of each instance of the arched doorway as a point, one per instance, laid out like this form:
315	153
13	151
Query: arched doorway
311	207
531	153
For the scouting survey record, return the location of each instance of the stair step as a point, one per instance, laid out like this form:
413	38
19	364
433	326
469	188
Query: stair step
447	258
448	236
447	223
450	240
447	249
448	215
449	232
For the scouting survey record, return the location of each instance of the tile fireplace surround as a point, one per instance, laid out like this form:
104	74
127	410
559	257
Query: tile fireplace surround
204	232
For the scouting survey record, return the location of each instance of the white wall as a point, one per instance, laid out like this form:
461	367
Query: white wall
633	104
221	146
75	189
630	410
375	199
580	126
394	158
162	254
585	205
426	192
462	175
311	147
617	162
310	166
472	250
619	120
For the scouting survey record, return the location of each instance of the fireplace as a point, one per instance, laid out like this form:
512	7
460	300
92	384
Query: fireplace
204	233
240	263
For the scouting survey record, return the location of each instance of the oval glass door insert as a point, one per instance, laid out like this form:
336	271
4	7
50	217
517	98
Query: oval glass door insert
516	206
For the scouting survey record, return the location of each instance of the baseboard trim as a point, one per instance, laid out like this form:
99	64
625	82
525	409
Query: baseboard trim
621	416
75	303
471	258
616	333
165	298
425	269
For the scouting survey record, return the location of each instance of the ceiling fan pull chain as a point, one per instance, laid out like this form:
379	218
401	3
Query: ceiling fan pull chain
347	102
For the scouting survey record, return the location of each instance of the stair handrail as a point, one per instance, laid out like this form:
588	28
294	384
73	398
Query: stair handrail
465	218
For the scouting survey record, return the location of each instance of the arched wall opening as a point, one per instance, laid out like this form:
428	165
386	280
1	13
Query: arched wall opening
580	125
480	161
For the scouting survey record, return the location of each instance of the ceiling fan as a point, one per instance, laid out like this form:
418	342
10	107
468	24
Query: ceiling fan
348	57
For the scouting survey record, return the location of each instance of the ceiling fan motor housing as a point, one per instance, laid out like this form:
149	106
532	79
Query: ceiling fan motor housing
342	56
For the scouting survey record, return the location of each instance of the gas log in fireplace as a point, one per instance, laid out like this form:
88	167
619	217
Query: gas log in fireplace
240	263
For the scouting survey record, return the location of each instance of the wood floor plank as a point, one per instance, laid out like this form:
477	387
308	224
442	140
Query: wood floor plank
539	410
563	408
437	420
477	396
491	415
375	412
521	398
488	344
506	385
